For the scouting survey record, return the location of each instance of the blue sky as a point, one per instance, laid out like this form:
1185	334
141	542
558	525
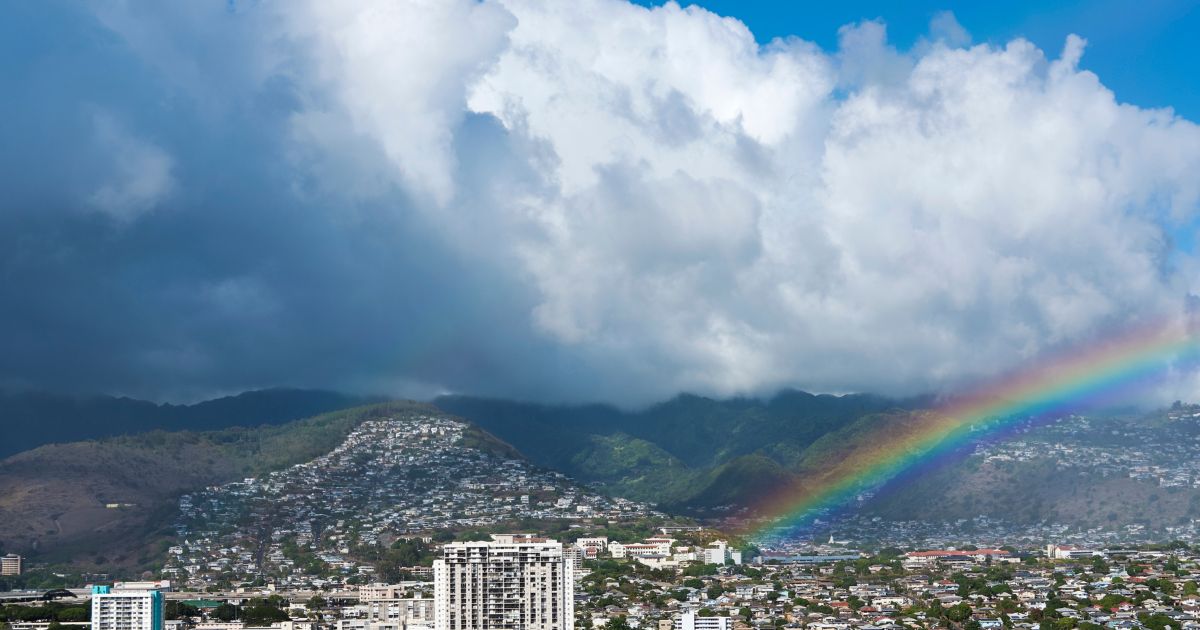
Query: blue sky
1146	52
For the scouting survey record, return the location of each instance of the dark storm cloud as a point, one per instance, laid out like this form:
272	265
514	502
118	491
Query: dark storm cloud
232	276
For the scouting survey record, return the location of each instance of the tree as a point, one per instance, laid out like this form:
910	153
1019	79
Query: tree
700	570
411	553
1157	621
262	613
844	581
175	610
226	612
1112	600
617	623
1166	586
74	613
958	612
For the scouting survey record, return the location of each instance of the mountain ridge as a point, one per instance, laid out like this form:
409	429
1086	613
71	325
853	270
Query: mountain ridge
29	419
683	453
690	455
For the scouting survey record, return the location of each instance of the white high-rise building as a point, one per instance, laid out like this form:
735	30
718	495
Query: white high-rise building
719	552
10	564
126	610
510	583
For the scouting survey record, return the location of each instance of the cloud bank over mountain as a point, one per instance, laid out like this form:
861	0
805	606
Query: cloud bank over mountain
563	201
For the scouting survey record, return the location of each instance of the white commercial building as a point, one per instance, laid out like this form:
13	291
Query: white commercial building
719	552
126	609
510	583
593	541
1066	552
151	585
691	621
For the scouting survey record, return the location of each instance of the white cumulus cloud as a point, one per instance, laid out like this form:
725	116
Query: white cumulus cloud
693	210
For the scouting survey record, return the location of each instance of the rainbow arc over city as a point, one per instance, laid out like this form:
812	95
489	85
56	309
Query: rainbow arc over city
1107	372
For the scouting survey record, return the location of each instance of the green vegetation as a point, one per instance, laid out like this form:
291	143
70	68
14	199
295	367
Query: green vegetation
51	611
40	579
173	610
390	563
258	450
689	454
255	612
38	418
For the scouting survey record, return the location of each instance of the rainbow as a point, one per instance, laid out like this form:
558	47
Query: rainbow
1105	372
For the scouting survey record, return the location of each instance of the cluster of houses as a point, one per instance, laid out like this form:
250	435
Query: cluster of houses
1164	456
658	552
390	478
1061	586
1058	586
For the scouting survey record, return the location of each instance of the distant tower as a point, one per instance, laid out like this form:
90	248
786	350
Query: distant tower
10	564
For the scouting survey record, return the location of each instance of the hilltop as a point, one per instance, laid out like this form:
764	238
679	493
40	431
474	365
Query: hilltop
32	419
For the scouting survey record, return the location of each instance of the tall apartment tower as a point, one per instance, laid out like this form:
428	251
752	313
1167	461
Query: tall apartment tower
10	564
126	610
513	582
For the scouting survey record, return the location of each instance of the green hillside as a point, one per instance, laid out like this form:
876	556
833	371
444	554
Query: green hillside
112	501
706	457
690	454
